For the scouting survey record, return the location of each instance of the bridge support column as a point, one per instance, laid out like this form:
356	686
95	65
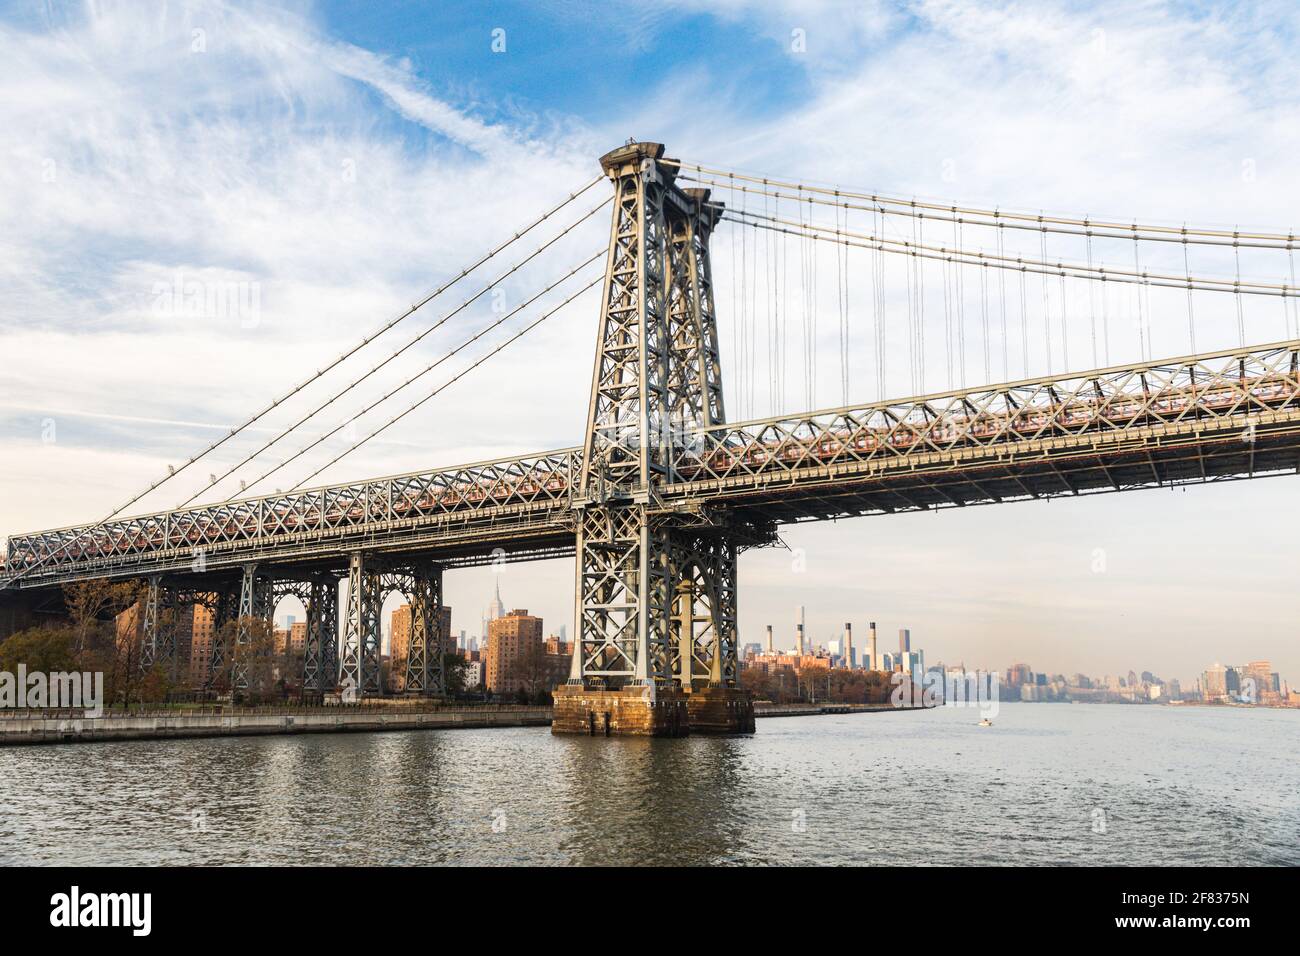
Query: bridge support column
254	610
656	384
226	609
320	663
158	626
428	645
359	656
705	662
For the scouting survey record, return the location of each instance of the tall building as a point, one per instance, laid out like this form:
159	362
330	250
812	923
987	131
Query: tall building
399	641
514	646
203	631
496	609
904	641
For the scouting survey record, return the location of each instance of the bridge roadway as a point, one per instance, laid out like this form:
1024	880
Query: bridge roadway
1215	416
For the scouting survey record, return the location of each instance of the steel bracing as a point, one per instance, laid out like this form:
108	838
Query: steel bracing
663	492
321	650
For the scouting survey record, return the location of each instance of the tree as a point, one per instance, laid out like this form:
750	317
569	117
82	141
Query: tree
46	649
90	602
453	673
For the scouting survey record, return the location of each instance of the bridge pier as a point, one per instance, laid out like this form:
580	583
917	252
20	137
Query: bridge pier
632	711
655	622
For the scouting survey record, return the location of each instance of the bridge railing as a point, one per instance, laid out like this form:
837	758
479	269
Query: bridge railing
521	482
1222	388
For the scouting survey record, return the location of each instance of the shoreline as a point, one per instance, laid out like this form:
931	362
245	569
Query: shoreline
36	731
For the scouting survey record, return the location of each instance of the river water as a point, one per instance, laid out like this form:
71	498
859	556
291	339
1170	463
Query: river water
1047	783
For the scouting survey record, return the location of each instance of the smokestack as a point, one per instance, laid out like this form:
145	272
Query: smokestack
848	643
799	630
875	656
769	638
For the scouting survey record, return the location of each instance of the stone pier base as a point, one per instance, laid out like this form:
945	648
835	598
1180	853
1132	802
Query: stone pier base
720	710
630	711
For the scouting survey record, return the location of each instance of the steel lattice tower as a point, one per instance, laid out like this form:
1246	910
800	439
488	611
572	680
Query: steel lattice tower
656	593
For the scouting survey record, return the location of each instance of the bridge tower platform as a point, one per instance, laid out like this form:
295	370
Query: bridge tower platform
655	617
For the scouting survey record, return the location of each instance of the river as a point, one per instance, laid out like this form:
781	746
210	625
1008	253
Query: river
1047	783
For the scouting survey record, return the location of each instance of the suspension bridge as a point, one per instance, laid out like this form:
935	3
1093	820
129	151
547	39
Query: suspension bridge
664	490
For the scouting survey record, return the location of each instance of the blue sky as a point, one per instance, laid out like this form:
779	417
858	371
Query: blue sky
338	160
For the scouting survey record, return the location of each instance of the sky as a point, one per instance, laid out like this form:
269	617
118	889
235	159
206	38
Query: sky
201	203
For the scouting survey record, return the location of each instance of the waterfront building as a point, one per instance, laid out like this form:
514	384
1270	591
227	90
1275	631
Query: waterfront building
514	641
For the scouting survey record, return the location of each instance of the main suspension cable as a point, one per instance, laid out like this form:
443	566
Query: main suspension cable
1032	222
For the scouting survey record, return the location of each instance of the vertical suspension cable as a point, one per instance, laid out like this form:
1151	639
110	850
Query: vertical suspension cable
1024	321
1105	320
958	236
1137	291
945	268
1092	298
1241	318
879	305
767	307
848	308
815	305
1295	303
1191	314
735	306
1047	314
984	317
1065	329
1002	302
911	317
920	285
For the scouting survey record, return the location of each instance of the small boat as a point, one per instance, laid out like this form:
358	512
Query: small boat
986	722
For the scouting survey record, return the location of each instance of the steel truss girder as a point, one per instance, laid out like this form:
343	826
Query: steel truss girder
1221	391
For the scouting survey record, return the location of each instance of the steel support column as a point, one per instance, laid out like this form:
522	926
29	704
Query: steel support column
320	661
428	644
254	609
704	622
359	657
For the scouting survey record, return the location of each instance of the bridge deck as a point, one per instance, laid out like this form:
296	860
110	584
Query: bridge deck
1217	416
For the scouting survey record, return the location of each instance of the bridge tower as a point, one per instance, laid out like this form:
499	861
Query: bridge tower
655	618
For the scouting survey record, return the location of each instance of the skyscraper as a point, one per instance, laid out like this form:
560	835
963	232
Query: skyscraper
904	641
